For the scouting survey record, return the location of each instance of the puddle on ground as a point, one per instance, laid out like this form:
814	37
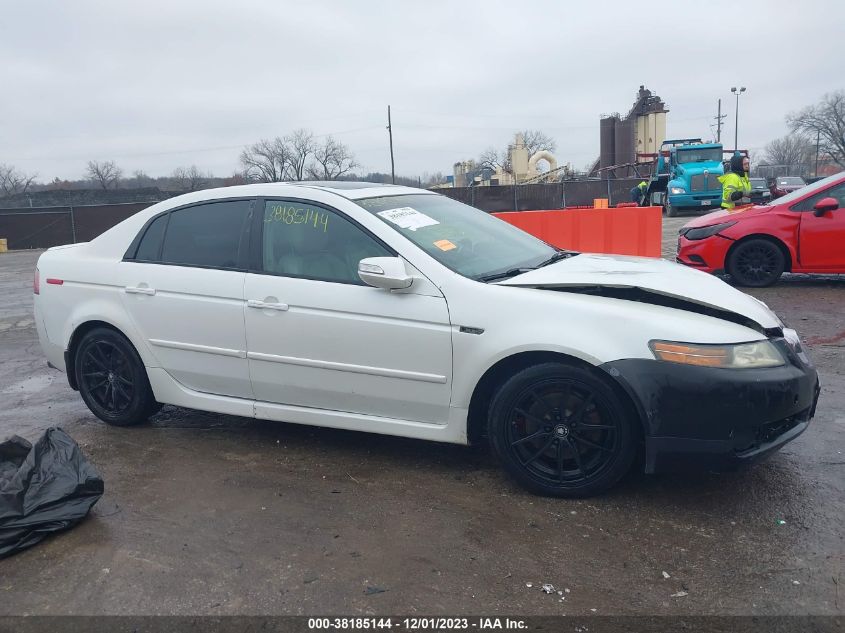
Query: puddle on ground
33	384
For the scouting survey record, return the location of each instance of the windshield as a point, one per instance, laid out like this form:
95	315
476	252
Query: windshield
791	181
758	183
699	155
806	191
473	243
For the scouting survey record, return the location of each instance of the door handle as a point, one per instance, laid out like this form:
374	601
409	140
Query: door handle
135	290
263	305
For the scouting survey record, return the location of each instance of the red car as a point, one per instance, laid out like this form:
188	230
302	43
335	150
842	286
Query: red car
802	232
785	184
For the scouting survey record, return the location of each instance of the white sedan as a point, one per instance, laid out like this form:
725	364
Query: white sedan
400	311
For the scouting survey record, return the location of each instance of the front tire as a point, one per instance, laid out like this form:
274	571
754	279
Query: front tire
561	431
671	212
112	379
756	263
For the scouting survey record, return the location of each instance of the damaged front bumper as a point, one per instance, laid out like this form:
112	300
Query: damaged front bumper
704	418
707	255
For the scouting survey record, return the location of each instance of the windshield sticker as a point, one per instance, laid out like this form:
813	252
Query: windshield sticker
407	218
444	245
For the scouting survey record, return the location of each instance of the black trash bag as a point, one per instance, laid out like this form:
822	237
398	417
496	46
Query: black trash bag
43	489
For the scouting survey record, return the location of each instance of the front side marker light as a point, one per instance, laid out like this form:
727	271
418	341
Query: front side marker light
755	355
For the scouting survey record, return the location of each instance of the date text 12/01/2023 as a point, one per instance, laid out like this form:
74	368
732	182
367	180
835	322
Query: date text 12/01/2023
416	623
298	215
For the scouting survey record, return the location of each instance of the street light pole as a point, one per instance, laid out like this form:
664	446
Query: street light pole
390	133
736	119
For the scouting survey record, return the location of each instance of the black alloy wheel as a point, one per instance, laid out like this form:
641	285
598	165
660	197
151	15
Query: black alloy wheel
756	263
561	431
112	379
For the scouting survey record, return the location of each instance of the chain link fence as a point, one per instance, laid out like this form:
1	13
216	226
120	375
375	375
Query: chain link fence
534	197
50	226
43	227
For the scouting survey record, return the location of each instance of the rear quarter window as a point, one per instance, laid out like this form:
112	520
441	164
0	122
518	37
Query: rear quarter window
150	246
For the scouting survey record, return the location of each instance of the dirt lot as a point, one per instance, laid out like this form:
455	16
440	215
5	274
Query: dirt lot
209	514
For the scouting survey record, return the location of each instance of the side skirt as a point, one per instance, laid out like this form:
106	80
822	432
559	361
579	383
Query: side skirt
169	391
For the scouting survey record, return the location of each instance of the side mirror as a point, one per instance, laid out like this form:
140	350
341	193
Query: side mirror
384	272
824	205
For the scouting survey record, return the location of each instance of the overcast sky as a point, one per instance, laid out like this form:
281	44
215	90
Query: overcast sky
156	85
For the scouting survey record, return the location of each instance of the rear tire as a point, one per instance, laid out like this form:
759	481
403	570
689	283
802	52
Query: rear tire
112	379
561	431
756	263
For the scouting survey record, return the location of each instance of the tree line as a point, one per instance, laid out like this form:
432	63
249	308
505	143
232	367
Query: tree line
300	155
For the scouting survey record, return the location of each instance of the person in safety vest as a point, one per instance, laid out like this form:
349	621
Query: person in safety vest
638	193
735	184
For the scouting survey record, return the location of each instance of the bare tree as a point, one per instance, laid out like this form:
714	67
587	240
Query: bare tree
794	149
537	140
105	174
492	159
332	160
141	179
237	178
13	181
302	145
267	160
825	120
190	178
432	179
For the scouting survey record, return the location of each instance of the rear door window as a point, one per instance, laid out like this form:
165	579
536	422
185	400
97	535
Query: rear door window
208	235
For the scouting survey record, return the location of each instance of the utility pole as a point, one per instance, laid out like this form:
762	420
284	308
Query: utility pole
719	118
736	120
818	140
390	133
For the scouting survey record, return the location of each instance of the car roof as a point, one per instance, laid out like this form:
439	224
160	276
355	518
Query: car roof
347	189
356	190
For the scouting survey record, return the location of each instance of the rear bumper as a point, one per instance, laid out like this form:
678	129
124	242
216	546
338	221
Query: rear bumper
55	353
699	418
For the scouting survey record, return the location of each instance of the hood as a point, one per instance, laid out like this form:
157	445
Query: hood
656	277
714	168
724	215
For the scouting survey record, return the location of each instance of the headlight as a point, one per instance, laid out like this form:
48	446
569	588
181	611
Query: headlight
677	190
740	356
707	231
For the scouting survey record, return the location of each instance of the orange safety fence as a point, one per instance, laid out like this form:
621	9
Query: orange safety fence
621	231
